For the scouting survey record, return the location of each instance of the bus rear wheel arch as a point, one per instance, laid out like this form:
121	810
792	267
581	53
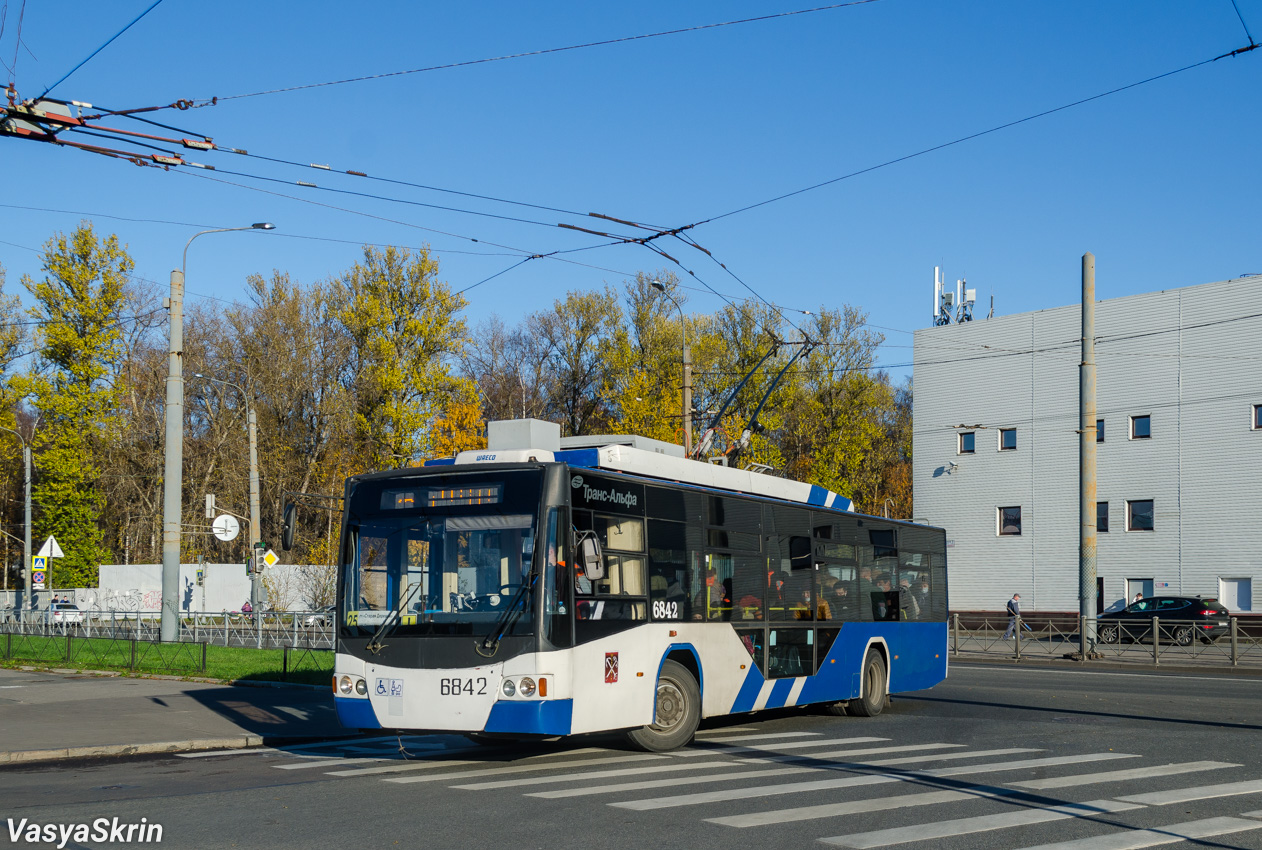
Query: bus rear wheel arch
676	711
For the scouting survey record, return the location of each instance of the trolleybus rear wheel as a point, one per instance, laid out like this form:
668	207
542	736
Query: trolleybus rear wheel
676	711
874	693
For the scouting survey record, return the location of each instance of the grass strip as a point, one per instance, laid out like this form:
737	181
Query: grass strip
313	667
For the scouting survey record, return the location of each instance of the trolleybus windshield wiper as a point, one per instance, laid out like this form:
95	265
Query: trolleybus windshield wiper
489	645
394	617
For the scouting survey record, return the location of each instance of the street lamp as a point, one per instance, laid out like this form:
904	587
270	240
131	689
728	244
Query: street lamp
173	468
255	529
26	543
687	402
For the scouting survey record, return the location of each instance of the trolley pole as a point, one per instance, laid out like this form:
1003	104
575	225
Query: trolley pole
1086	463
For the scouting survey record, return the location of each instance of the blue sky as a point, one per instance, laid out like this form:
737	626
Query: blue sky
1160	182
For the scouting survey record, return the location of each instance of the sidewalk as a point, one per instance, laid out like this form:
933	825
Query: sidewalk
51	716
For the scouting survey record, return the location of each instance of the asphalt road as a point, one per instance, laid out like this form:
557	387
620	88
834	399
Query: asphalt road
988	759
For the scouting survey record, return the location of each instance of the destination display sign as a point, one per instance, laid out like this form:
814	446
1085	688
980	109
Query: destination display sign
605	495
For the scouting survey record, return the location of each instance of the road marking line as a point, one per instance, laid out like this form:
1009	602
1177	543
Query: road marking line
855	807
983	823
760	748
726	729
427	763
307	765
592	774
967	754
524	768
1156	836
671	783
842	754
721	777
399	767
1200	792
853	781
733	739
1122	775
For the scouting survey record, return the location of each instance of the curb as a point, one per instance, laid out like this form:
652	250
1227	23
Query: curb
37	756
1107	666
244	683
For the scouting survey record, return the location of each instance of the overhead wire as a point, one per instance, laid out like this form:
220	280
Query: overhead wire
1248	34
546	51
971	136
107	43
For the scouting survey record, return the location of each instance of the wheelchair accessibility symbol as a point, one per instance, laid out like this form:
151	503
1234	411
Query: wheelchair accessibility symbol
383	687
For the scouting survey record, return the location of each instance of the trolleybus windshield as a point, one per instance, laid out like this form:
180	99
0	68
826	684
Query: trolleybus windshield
448	553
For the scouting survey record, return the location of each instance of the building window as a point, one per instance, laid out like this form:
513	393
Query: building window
1010	521
1141	427
1257	417
1139	515
1099	430
1007	439
1102	517
968	442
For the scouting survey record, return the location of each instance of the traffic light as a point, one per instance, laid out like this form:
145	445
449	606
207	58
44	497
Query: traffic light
289	526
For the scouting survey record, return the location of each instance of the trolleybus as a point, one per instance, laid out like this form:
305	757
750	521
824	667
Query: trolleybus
549	587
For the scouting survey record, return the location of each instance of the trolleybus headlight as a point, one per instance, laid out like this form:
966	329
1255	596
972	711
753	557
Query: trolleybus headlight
526	687
344	684
361	687
509	688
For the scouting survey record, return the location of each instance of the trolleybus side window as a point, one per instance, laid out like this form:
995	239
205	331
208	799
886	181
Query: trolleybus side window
668	570
837	570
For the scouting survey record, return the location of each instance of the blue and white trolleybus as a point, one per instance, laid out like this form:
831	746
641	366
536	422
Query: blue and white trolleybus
547	587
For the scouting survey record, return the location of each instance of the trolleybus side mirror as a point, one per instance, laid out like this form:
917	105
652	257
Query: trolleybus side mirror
590	559
289	526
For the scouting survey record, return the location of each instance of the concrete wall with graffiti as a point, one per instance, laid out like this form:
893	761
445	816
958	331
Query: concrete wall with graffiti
138	587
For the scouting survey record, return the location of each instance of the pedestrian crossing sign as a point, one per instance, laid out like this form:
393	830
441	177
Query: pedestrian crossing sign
39	572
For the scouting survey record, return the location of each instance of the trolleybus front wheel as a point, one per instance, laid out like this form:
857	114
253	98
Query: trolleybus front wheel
676	711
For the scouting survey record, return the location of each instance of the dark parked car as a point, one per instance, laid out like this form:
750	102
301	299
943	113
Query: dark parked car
1182	619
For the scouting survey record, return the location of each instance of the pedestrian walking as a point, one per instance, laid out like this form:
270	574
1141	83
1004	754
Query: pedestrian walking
1014	611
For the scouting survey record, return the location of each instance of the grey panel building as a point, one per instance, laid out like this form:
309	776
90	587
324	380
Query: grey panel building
1179	452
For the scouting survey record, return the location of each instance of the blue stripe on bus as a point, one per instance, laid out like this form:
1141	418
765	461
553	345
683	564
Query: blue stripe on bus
441	461
579	457
533	717
780	693
355	713
749	691
919	659
818	496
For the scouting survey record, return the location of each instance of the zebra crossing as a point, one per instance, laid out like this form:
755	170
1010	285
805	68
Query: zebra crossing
737	780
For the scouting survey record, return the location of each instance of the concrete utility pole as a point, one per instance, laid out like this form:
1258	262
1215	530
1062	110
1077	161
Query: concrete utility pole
687	402
26	541
173	460
256	528
1086	462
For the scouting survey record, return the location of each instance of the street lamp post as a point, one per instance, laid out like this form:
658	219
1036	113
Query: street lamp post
256	530
26	542
173	468
687	402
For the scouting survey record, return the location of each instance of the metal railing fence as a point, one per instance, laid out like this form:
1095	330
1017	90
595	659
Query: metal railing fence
264	630
103	652
1152	641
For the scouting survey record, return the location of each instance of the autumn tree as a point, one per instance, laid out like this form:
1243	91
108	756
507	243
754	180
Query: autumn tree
406	332
76	391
